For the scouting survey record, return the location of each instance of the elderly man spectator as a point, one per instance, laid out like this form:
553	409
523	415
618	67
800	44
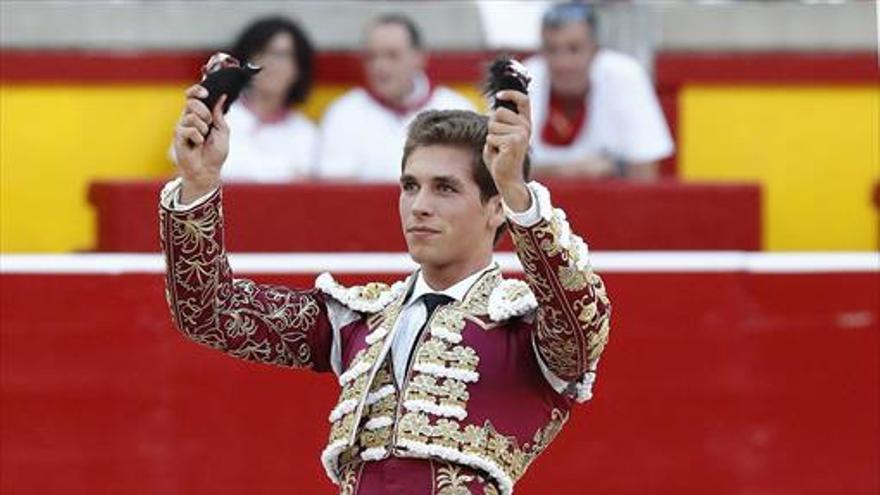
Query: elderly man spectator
362	133
594	110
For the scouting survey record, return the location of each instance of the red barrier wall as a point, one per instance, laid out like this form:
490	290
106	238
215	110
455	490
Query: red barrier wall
619	215
726	383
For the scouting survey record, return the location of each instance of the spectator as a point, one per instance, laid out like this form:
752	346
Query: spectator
270	142
362	133
595	113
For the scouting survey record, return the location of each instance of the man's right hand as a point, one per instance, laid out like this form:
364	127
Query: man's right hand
199	158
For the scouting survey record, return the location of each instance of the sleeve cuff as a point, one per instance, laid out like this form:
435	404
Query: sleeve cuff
170	197
580	390
530	216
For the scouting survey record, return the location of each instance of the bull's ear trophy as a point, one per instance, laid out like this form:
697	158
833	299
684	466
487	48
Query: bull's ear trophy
224	74
506	73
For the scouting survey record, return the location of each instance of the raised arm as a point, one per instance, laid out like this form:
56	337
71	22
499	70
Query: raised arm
251	321
573	316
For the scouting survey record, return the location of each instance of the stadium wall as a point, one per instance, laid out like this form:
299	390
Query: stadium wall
727	373
803	125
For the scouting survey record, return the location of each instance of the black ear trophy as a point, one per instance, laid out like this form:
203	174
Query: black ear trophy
506	73
223	74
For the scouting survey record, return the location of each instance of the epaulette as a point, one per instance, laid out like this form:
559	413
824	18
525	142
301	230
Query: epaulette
369	298
511	298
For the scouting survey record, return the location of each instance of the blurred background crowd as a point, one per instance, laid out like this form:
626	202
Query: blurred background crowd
782	94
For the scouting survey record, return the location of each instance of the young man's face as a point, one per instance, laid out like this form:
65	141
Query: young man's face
391	61
443	219
569	50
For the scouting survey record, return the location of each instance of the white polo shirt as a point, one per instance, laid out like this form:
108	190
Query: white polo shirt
624	119
362	139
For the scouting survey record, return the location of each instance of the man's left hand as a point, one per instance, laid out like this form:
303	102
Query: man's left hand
507	145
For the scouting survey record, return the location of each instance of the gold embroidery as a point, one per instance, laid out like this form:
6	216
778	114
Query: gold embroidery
374	438
516	291
441	369
437	351
250	321
358	390
193	232
383	407
373	290
571	329
446	392
348	456
383	377
375	320
587	310
545	435
355	389
476	302
348	480
481	441
340	428
571	278
450	318
597	340
451	481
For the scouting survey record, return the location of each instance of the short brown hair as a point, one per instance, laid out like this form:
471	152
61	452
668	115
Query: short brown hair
461	128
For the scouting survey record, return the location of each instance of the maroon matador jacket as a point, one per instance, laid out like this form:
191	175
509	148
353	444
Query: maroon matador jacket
491	380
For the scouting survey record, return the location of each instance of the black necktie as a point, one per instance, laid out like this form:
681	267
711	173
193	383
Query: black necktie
432	302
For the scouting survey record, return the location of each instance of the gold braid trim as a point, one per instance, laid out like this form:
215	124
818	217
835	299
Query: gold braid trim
573	314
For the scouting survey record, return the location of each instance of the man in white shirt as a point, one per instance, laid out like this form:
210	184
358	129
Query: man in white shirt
595	113
362	133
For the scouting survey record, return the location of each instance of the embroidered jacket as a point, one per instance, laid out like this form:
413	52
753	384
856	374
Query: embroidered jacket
491	379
